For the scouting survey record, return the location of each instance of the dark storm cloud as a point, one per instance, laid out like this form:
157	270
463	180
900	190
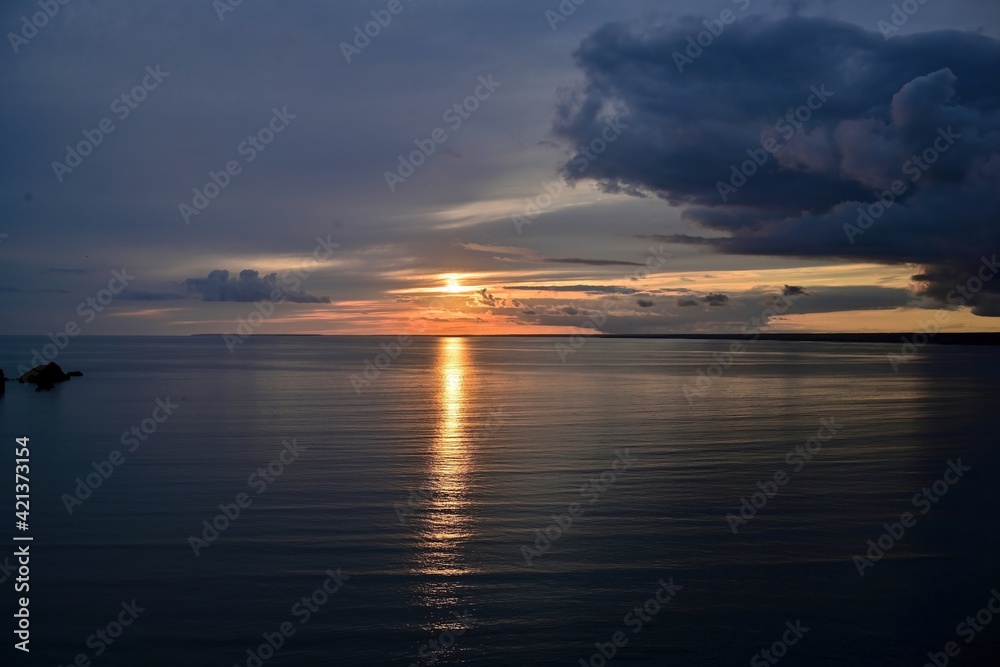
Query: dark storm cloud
884	110
249	286
957	284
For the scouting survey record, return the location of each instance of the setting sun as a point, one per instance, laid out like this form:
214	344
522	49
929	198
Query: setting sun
452	284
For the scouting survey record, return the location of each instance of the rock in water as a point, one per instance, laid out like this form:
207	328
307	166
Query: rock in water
44	377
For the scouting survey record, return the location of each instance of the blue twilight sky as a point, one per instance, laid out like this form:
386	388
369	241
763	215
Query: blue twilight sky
600	165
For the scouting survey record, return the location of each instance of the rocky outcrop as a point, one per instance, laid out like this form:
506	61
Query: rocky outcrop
47	376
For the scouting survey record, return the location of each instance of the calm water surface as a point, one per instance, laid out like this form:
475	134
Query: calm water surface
425	486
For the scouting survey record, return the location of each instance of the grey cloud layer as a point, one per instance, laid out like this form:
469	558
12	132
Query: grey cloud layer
249	286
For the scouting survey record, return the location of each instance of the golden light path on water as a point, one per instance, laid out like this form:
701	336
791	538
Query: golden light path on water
445	525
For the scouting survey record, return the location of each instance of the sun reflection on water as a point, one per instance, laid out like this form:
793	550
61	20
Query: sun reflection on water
445	526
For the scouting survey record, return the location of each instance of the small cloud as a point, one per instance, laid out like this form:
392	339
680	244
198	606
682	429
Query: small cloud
793	290
645	303
483	298
487	299
715	299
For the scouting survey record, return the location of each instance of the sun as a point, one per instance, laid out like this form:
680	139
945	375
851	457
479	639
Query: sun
452	284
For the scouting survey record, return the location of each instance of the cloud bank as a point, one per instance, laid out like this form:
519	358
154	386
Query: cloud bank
807	137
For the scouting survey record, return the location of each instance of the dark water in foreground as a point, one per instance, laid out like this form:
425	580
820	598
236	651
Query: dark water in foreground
492	437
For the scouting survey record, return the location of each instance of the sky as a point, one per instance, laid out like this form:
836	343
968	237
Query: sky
190	166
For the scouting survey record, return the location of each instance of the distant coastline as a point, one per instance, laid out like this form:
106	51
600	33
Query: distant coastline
955	338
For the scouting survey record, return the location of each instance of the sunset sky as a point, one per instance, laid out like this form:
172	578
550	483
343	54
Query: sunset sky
586	174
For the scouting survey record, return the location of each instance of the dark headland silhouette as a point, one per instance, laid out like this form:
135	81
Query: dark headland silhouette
43	377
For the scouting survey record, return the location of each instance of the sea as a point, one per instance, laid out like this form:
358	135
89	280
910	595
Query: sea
437	501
